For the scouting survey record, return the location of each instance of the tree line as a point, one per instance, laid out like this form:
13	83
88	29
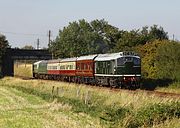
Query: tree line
160	56
98	36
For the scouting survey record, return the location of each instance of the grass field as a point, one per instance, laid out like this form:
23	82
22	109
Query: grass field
22	69
19	109
39	103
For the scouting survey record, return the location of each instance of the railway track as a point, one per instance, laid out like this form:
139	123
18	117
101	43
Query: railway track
24	77
148	92
164	94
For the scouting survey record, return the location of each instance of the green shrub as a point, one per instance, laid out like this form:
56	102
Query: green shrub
175	85
155	114
168	61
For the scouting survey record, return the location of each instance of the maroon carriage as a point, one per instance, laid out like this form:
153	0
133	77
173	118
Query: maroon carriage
85	69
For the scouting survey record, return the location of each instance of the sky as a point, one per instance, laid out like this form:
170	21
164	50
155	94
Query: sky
24	21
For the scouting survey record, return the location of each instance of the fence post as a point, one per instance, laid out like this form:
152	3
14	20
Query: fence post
87	97
57	91
52	92
78	92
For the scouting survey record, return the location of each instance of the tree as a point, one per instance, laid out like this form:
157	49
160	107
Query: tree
168	61
3	45
83	38
107	32
160	59
157	33
148	53
73	40
127	40
130	39
98	36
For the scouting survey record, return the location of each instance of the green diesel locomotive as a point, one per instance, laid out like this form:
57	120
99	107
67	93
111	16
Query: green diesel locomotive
121	69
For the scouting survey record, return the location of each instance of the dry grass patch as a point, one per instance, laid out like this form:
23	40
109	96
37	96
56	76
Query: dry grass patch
23	69
26	110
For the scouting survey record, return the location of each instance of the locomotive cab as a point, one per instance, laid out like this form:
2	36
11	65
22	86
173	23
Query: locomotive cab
121	69
35	68
128	67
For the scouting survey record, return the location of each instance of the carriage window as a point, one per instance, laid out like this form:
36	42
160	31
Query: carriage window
62	67
78	66
82	66
85	66
88	66
68	67
91	66
71	66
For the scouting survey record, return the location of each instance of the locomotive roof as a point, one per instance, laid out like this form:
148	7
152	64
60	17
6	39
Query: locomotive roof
69	59
89	57
112	56
41	62
44	61
36	63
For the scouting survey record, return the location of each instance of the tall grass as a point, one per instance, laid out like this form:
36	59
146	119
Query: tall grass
23	69
108	108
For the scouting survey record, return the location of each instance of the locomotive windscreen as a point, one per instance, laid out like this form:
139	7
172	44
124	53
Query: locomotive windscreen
137	61
121	61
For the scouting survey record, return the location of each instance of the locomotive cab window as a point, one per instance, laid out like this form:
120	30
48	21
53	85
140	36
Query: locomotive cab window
137	61
120	61
128	59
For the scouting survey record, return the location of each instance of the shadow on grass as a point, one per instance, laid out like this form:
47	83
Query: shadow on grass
151	84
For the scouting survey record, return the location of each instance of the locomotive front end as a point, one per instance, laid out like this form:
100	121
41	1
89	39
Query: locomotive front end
128	68
121	69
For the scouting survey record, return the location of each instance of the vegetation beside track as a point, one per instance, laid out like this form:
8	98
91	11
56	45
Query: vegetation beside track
23	69
58	104
171	88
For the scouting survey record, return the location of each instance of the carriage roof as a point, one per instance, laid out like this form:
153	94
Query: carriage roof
69	59
89	57
54	61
